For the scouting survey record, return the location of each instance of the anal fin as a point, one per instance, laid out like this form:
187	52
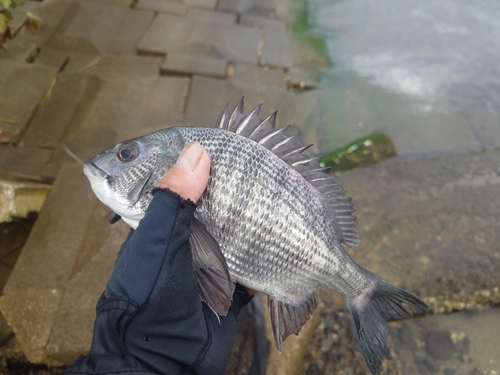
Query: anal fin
287	319
214	282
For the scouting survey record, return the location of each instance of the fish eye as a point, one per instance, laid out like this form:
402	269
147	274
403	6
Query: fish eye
127	152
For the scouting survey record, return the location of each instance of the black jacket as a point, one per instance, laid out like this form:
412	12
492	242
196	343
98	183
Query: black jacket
150	318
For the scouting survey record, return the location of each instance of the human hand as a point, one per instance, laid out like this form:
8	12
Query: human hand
189	176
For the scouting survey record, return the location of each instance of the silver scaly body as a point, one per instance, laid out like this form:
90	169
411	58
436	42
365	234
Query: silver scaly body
276	230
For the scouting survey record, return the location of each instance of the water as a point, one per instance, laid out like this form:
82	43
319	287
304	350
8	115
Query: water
426	72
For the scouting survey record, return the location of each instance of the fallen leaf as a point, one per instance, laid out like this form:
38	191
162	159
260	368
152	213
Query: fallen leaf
33	22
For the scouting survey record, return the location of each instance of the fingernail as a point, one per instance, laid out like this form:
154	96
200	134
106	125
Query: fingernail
190	156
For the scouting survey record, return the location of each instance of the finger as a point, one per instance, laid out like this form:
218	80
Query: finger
189	176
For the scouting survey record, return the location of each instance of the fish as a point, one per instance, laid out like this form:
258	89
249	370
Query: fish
271	219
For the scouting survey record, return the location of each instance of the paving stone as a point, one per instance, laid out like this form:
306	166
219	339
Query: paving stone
100	29
23	162
261	22
23	86
20	198
49	125
52	13
110	110
19	13
178	8
162	6
208	16
422	221
203	4
171	33
275	48
209	96
126	68
209	62
91	110
32	319
20	50
235	6
67	62
57	160
37	284
119	3
51	250
71	334
260	8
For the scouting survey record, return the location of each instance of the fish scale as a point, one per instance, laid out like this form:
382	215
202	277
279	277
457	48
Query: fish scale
270	218
285	190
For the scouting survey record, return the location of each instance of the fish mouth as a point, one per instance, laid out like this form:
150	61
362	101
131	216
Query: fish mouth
93	171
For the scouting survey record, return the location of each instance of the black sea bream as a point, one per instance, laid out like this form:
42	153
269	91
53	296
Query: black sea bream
270	219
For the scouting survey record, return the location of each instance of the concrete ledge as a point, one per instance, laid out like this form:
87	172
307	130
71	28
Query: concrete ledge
18	199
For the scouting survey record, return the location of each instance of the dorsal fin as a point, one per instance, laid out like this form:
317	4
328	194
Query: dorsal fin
291	151
223	121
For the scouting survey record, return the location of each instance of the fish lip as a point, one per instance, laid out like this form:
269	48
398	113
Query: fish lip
92	170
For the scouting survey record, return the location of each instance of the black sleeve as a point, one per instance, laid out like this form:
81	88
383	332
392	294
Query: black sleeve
150	319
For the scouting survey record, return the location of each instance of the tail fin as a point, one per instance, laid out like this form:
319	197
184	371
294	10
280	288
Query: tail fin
370	313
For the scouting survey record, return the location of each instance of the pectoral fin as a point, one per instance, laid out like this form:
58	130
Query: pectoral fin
287	319
214	282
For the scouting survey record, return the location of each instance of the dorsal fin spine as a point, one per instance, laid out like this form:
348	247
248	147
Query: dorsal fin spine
306	161
273	133
270	120
286	140
289	150
252	115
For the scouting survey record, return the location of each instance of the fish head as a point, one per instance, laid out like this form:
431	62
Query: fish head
124	176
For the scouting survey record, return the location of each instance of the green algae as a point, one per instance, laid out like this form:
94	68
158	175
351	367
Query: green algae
311	48
361	152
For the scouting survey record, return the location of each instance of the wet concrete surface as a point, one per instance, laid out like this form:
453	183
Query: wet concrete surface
463	343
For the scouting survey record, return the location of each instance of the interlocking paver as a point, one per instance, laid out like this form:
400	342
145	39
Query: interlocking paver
172	34
254	83
261	8
49	125
197	59
23	87
46	263
67	62
275	48
208	16
24	162
20	50
252	20
71	334
162	6
203	4
100	29
112	108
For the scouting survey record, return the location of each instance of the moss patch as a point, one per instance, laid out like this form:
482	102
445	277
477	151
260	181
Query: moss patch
364	151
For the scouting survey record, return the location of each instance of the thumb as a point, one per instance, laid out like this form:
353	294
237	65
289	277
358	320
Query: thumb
189	176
